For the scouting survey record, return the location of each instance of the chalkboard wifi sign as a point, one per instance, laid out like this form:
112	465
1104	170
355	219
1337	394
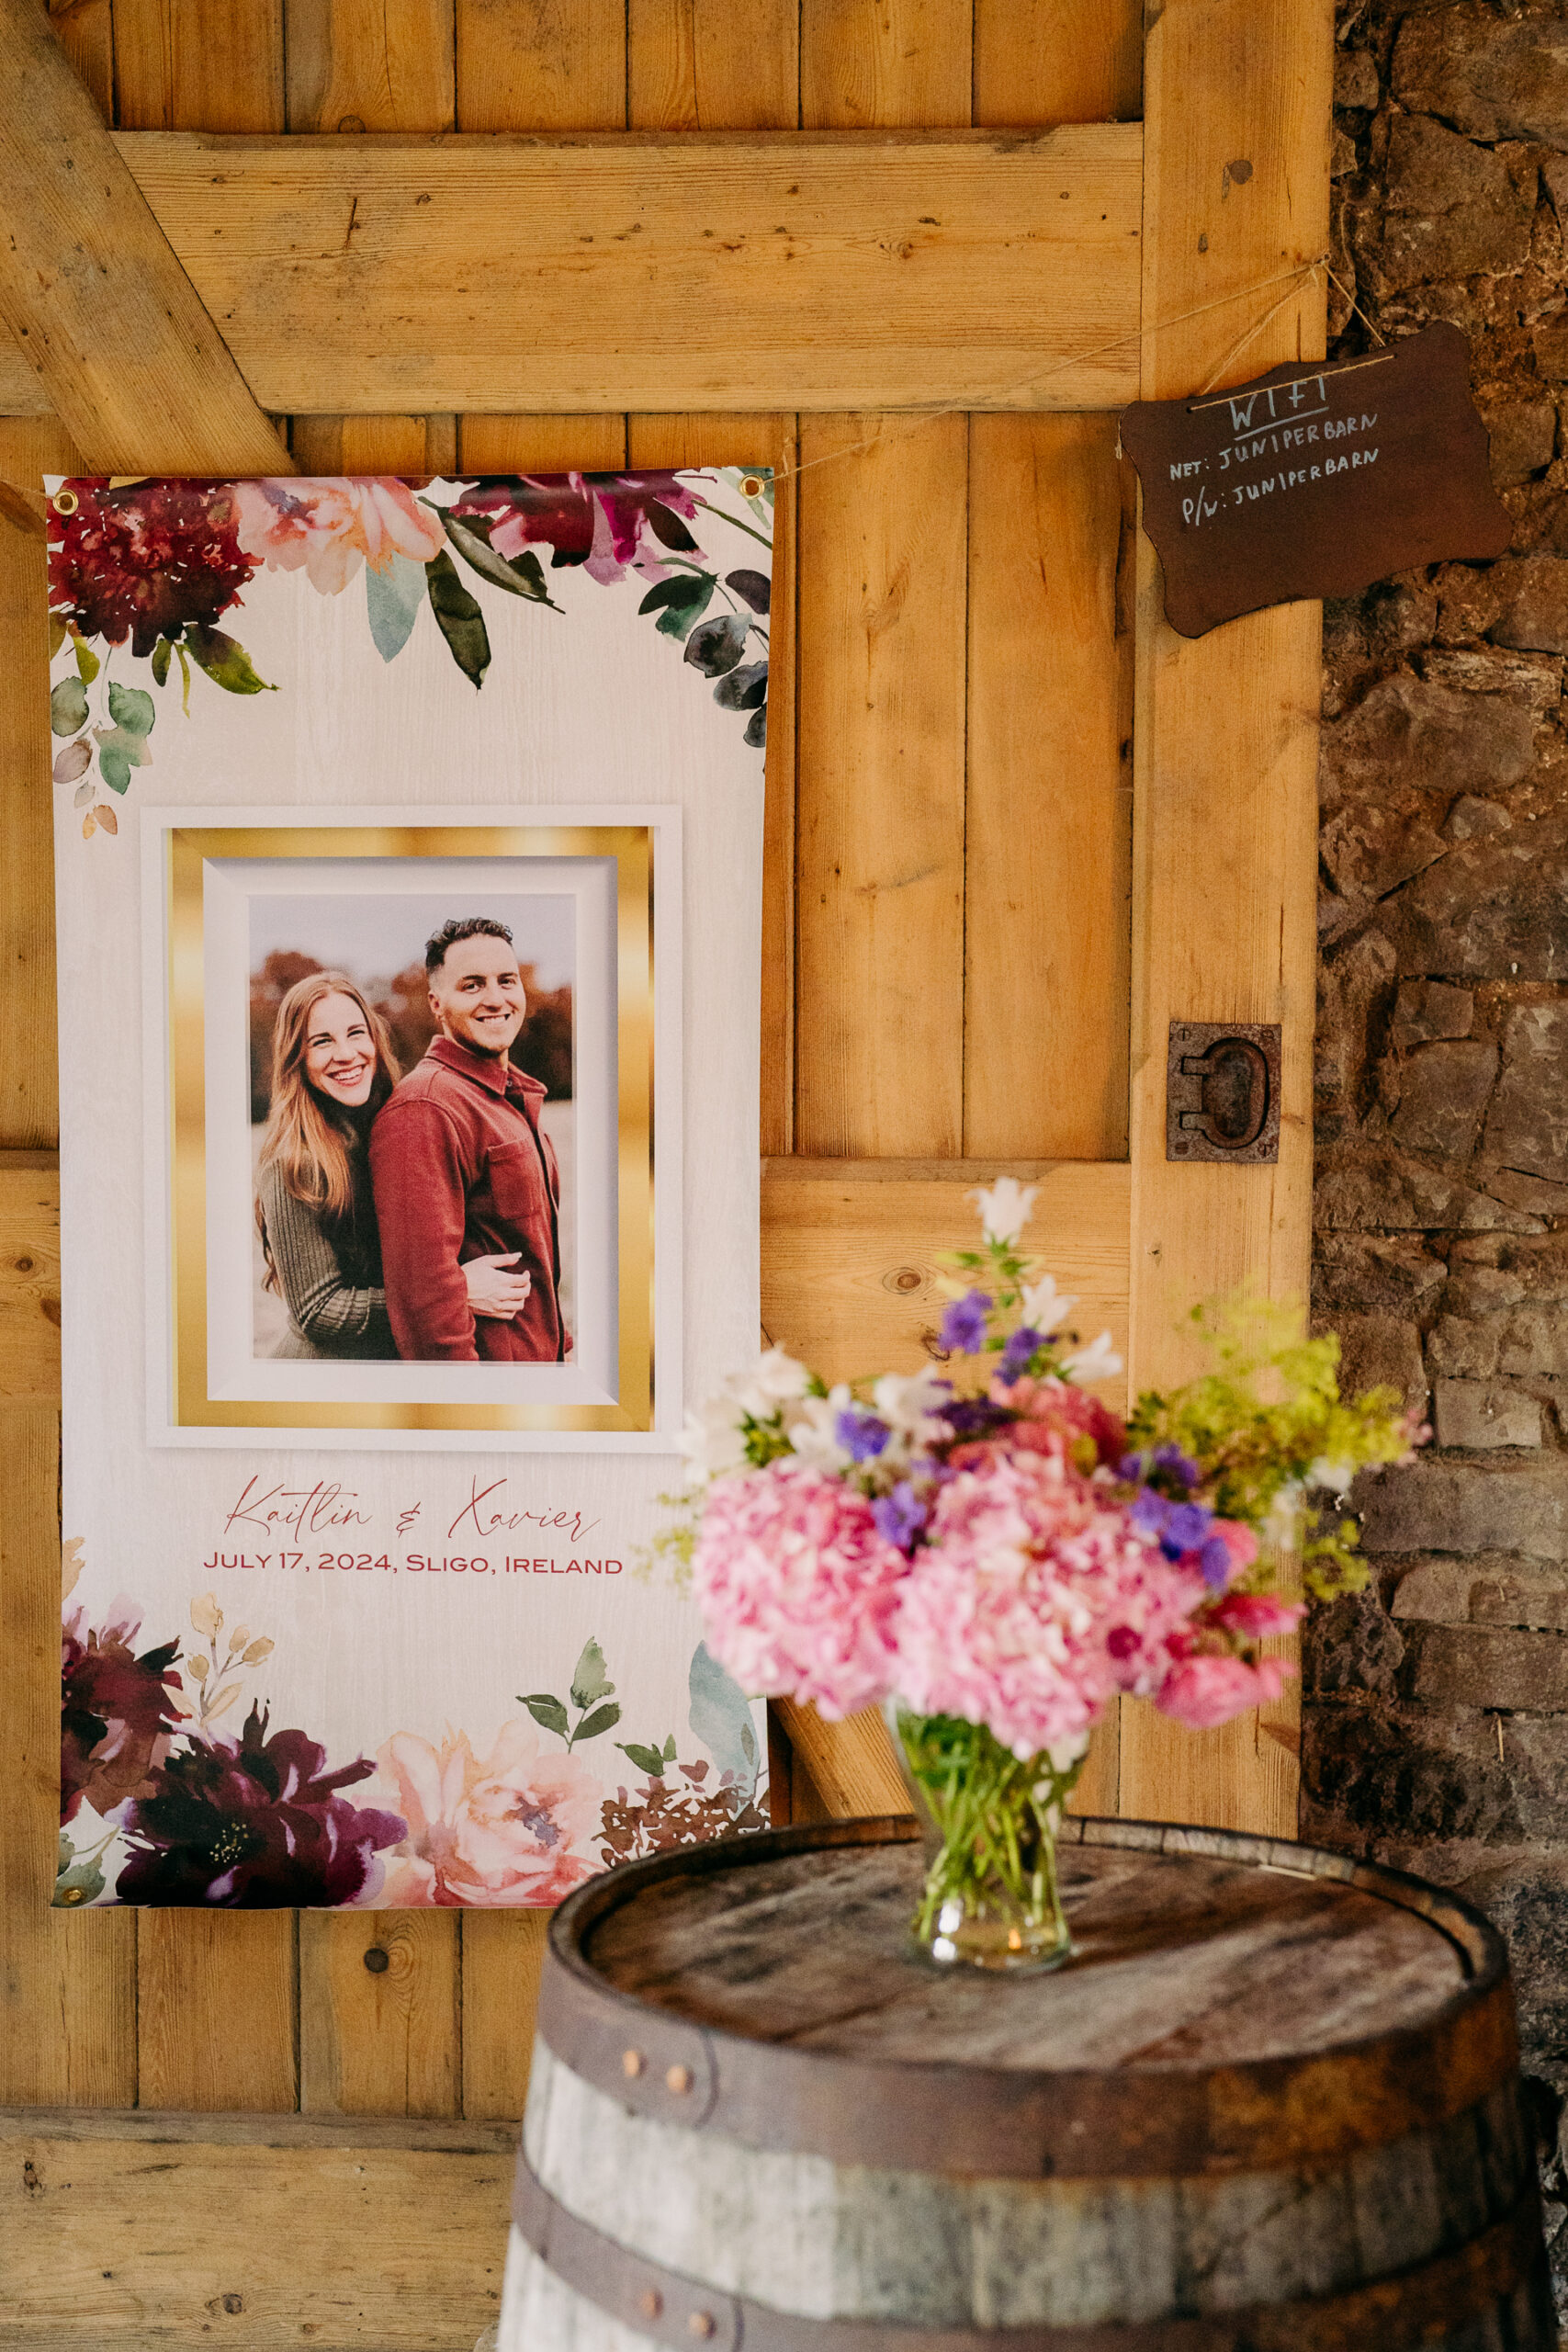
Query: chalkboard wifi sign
1315	481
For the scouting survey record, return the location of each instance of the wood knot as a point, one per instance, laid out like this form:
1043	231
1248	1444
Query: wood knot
378	1960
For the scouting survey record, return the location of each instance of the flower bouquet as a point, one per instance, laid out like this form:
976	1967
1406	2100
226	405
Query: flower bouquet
987	1552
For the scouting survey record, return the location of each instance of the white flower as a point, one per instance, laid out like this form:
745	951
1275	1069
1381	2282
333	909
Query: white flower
1099	1360
812	1433
907	1405
1335	1476
712	1442
1281	1531
1045	1307
777	1380
1006	1208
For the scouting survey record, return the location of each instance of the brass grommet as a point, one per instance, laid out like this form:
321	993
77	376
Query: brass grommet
66	501
751	487
679	2078
632	2063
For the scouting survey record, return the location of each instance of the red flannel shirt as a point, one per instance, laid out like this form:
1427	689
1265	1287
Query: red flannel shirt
461	1170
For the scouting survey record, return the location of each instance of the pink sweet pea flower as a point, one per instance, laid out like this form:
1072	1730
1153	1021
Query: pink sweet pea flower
1254	1614
1205	1690
331	527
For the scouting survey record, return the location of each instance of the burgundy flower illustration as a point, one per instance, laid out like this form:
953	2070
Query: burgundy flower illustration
254	1826
115	1714
600	520
144	561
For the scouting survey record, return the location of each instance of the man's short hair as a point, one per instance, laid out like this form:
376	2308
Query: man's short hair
464	927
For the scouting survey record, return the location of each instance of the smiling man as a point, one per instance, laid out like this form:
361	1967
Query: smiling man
461	1168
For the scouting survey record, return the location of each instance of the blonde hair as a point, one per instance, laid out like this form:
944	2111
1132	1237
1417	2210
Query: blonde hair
304	1142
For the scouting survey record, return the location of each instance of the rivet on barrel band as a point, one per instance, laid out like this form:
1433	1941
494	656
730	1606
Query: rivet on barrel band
680	2078
702	2323
632	2063
650	2302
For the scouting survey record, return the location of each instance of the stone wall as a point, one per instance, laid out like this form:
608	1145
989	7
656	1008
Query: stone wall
1435	1724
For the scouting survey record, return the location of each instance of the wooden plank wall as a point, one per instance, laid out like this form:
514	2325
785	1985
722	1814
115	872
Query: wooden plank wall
947	921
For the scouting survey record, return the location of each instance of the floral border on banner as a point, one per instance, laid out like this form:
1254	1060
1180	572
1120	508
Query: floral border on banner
155	564
153	1793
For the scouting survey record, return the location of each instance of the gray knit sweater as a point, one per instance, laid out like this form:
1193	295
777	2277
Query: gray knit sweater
328	1277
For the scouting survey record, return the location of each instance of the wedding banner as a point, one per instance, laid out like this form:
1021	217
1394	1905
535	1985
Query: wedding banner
408	857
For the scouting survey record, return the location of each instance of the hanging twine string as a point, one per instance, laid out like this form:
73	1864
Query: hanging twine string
1291	280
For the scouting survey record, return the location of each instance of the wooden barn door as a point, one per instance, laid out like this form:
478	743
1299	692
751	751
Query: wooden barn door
1015	828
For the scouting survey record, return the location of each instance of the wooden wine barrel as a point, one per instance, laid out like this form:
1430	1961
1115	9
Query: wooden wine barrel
1271	2105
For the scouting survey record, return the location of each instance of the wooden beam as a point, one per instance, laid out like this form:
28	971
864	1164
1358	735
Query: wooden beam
744	270
127	2230
103	312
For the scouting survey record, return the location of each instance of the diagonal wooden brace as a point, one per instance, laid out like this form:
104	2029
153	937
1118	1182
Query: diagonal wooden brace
92	290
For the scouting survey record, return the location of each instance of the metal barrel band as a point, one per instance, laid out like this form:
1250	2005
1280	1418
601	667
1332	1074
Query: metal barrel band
1422	2305
1011	2122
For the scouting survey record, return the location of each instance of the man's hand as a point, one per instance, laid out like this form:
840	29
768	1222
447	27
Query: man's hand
492	1292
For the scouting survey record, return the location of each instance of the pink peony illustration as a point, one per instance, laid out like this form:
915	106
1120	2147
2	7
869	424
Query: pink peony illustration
797	1586
331	527
609	522
514	1829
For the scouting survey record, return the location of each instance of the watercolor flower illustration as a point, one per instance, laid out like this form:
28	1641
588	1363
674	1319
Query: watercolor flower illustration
251	1822
512	1827
118	1713
144	570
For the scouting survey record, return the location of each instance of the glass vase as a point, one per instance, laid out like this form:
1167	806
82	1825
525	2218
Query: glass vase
991	1897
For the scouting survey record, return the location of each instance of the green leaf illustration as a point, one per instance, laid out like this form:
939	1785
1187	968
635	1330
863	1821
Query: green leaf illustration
68	706
681	601
722	1719
519	575
225	661
589	1679
743	689
87	662
459	619
547	1712
74	762
647	1759
717	646
81	1883
666	525
756	733
56	633
392	598
753	588
132	708
161	653
603	1719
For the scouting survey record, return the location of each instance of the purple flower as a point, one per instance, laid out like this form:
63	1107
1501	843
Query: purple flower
974	1415
254	1825
1150	1512
899	1515
1187	1528
963	1324
1020	1351
1215	1559
1170	1457
861	1434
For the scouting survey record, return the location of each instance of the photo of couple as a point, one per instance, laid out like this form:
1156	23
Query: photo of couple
408	1136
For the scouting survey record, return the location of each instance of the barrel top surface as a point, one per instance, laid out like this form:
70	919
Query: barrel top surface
1182	1960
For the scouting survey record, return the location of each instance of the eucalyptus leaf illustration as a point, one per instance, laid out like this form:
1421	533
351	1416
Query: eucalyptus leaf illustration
743	689
717	646
106	818
161	653
589	1681
721	1718
87	662
68	706
756	734
667	526
75	761
392	598
459	617
601	1719
753	588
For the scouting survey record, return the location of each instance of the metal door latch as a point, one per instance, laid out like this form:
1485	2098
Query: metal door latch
1221	1091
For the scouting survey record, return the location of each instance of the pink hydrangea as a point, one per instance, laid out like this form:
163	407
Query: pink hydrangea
1035	1602
1204	1690
797	1588
1055	1409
